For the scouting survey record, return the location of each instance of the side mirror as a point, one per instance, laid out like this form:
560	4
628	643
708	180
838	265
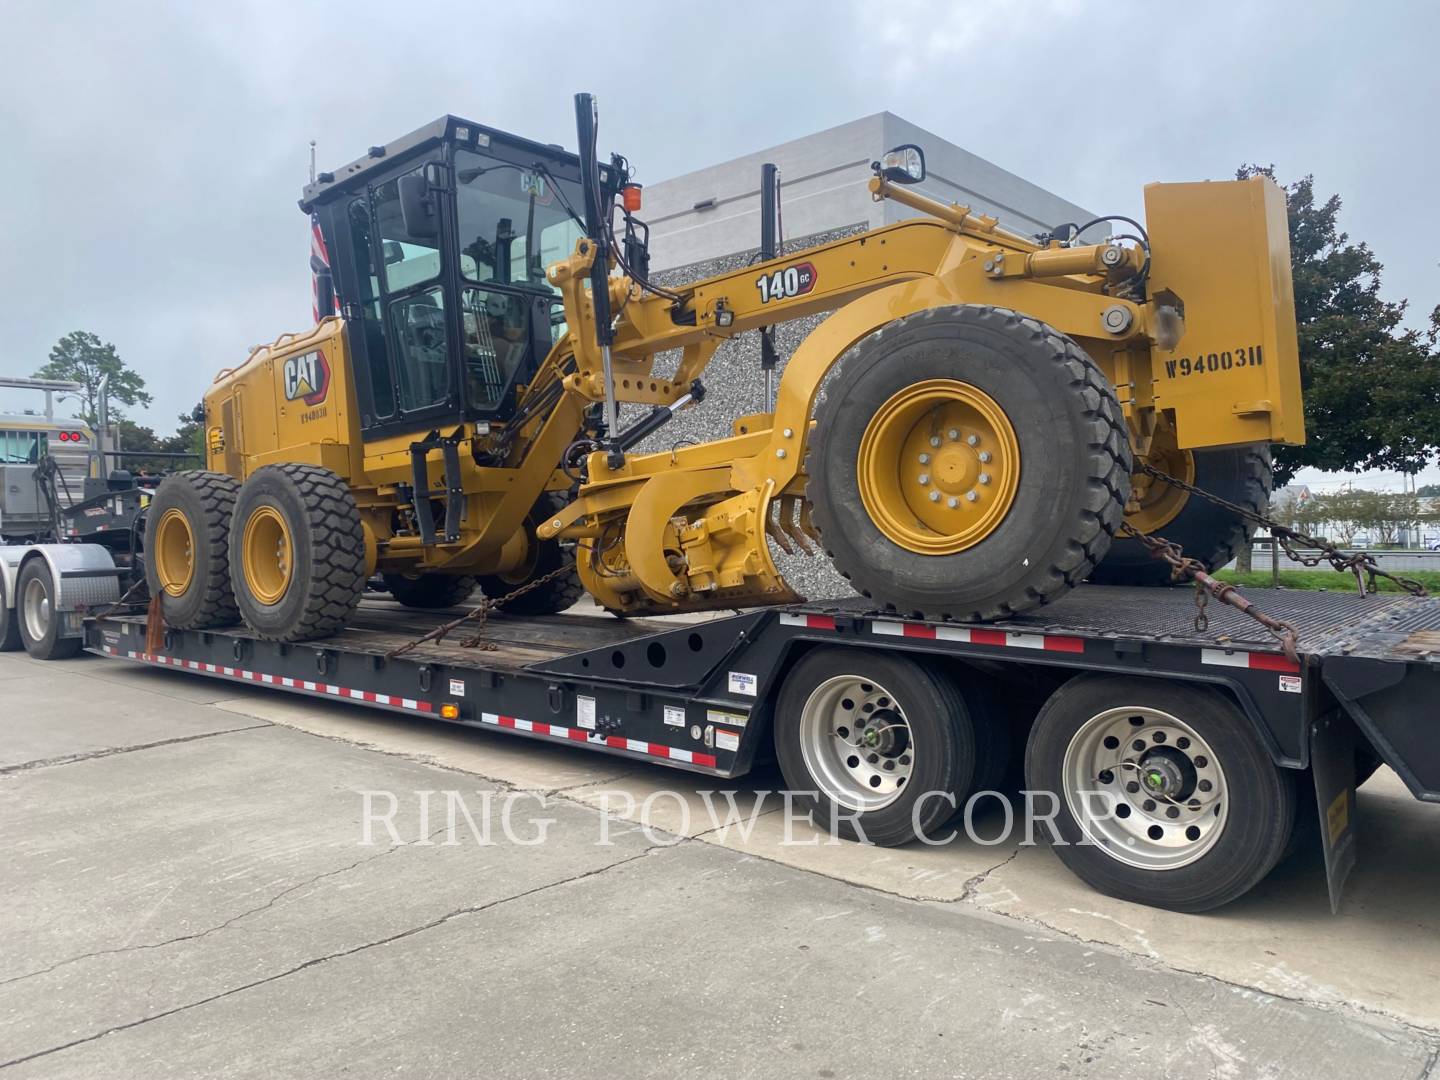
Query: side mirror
417	208
903	165
392	252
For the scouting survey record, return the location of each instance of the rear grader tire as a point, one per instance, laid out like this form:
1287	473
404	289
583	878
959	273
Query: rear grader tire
187	549
1205	532
969	463
547	556
429	592
297	553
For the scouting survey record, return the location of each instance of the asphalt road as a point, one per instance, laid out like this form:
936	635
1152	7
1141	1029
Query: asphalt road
187	894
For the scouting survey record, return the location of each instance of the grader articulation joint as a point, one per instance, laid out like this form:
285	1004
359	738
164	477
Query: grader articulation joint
458	419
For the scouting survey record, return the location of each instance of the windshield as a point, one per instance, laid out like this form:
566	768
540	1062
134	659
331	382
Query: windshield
512	220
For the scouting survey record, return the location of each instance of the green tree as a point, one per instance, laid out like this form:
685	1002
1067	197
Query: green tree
1429	491
82	357
138	439
1372	388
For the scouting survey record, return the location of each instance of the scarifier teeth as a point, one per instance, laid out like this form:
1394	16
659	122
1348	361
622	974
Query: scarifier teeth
775	531
806	525
791	507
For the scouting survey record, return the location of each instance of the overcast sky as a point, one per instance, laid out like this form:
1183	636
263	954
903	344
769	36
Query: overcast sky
155	151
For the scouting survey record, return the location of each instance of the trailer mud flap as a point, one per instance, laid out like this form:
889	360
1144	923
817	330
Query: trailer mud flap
1332	761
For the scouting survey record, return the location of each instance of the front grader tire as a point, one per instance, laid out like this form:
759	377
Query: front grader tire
429	592
187	549
297	553
554	596
1207	533
909	506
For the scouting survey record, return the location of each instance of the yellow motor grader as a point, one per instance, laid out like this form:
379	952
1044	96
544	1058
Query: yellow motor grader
459	420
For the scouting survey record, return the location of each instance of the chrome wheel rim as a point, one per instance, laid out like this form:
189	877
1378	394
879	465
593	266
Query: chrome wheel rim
35	607
1145	788
856	743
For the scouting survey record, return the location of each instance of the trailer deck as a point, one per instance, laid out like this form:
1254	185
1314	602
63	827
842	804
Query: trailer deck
696	693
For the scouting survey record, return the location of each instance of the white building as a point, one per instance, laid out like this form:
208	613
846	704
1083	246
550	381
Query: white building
715	211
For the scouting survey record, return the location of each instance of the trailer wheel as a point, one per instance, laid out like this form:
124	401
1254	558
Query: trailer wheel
39	621
879	745
1211	534
297	552
9	623
545	557
968	462
429	591
187	549
1166	796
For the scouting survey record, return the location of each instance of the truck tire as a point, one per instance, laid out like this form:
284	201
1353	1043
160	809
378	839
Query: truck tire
880	746
187	549
429	591
916	464
297	553
39	622
9	623
547	556
1187	811
1206	532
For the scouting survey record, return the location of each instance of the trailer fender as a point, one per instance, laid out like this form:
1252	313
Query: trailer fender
85	577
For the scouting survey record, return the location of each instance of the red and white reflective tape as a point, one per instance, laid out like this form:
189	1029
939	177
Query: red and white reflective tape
330	689
580	735
1255	661
974	636
810	622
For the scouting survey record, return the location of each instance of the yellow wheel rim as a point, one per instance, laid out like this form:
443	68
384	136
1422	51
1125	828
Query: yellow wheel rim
174	552
268	555
938	467
1154	503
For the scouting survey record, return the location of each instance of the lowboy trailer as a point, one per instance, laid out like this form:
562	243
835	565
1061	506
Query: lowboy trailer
1213	752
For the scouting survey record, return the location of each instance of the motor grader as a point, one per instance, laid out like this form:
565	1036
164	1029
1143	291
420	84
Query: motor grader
991	401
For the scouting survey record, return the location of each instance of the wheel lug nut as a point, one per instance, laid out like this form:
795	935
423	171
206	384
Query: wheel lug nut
952	502
924	479
934	440
924	459
954	434
934	496
973	440
984	457
872	758
971	496
984	478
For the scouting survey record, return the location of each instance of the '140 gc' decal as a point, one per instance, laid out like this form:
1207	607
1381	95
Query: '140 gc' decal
1209	363
794	280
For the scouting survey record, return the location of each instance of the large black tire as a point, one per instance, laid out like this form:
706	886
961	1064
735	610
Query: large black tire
1073	449
1209	533
207	502
40	629
429	591
1250	801
9	623
940	738
328	545
554	596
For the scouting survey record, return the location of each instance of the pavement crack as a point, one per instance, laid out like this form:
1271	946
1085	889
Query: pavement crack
267	905
972	884
471	909
71	759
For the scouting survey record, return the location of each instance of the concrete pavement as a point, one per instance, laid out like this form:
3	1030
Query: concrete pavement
187	894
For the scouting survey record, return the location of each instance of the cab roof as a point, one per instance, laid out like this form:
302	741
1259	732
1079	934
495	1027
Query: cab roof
423	139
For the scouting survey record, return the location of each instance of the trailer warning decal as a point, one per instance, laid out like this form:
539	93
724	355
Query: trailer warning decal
1012	638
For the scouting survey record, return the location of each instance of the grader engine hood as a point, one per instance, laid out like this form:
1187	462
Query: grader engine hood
1223	248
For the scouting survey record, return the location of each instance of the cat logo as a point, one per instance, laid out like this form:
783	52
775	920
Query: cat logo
307	378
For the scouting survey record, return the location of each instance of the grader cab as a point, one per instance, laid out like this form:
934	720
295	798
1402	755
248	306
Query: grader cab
459	420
